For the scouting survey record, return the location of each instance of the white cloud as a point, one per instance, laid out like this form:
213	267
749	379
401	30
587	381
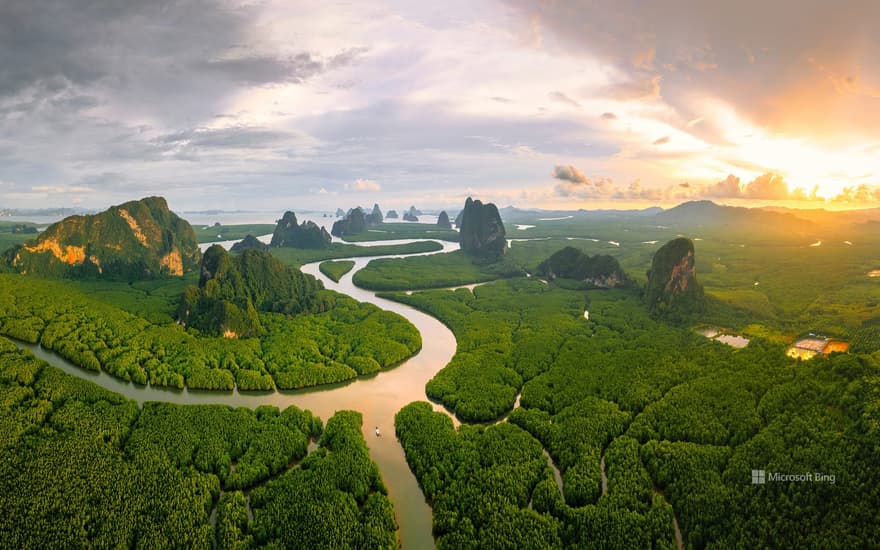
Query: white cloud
365	185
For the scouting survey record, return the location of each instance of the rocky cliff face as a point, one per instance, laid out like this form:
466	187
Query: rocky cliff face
672	286
354	222
481	232
600	271
374	217
232	289
443	220
289	233
136	240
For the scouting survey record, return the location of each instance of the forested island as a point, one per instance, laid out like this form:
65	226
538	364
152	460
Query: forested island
83	466
250	322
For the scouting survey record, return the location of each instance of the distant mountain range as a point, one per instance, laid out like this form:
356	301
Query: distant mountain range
512	211
709	213
43	212
705	214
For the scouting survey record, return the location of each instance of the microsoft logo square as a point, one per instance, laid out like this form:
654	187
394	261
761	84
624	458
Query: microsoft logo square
758	477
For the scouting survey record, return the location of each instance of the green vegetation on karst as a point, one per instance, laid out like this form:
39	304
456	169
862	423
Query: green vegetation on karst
288	233
84	467
213	233
135	240
354	222
301	256
481	230
335	270
583	271
432	271
672	290
233	289
347	340
248	242
443	220
680	420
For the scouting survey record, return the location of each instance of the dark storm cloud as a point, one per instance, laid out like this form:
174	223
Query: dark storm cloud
159	58
94	89
56	44
260	69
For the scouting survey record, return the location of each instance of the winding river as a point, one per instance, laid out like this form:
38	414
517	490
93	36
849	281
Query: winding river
378	397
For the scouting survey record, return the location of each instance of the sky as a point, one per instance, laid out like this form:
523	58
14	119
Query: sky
263	104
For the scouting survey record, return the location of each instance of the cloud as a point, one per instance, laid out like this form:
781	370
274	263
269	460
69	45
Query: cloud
562	98
365	185
642	89
821	77
171	61
601	188
233	137
575	184
243	104
635	191
256	69
726	188
645	59
858	194
767	187
570	174
661	141
76	189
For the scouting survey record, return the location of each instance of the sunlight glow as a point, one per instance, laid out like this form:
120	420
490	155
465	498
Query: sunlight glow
804	163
